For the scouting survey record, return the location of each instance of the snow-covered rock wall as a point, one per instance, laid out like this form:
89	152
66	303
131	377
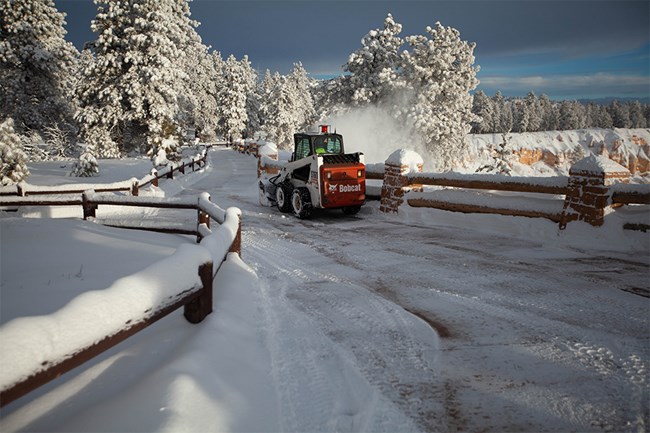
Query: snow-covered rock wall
535	153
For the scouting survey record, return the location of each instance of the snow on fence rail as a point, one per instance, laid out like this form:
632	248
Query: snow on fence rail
131	186
37	356
594	186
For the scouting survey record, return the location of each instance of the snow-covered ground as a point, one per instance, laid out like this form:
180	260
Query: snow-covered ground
422	321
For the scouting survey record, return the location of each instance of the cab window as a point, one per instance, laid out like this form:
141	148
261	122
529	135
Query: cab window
302	148
327	144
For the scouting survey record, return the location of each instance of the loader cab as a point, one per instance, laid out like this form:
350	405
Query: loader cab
307	144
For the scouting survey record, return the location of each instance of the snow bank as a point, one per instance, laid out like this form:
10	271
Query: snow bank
558	150
37	342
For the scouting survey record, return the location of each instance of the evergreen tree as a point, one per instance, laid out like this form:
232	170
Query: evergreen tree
35	65
265	94
502	123
521	116
86	165
133	85
374	66
198	94
572	115
282	122
254	112
620	115
500	158
239	81
301	88
637	119
550	115
484	108
533	108
12	158
439	74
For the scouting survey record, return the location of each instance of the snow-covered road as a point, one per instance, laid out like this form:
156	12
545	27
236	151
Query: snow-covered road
422	321
528	335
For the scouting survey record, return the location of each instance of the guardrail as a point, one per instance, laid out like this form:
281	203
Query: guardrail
28	366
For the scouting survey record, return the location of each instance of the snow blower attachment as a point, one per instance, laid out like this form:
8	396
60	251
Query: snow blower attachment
319	175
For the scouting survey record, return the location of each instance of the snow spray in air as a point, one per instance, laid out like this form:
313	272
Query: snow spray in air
373	131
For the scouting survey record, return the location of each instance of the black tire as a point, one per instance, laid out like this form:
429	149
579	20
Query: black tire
301	203
351	210
283	197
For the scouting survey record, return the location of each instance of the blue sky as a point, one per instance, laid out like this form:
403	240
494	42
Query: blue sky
566	49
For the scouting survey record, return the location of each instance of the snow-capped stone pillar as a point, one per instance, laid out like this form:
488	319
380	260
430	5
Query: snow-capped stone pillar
396	184
267	150
588	191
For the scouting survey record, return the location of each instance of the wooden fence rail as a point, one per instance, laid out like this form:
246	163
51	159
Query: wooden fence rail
196	300
131	186
593	185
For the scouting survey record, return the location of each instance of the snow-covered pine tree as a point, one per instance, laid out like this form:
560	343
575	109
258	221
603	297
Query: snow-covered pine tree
86	165
570	115
137	75
265	93
239	81
299	80
533	109
439	74
253	113
198	94
637	118
12	158
504	122
35	66
282	122
332	96
483	107
549	113
500	158
620	114
374	66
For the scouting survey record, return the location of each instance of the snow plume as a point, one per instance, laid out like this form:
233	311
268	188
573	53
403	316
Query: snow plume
375	132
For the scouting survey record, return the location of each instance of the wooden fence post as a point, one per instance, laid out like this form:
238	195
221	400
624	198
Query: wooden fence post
235	247
88	207
134	187
154	173
202	217
200	307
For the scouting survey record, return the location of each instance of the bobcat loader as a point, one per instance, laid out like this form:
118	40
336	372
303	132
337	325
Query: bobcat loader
320	175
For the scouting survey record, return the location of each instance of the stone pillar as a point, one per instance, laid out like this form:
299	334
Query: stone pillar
268	150
588	193
397	166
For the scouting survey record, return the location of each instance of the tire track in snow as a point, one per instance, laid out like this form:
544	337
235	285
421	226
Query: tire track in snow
496	304
389	347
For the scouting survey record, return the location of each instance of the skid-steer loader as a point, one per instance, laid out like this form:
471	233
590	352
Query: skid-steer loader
320	175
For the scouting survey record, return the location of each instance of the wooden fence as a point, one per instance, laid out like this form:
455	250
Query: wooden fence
196	299
594	185
131	186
